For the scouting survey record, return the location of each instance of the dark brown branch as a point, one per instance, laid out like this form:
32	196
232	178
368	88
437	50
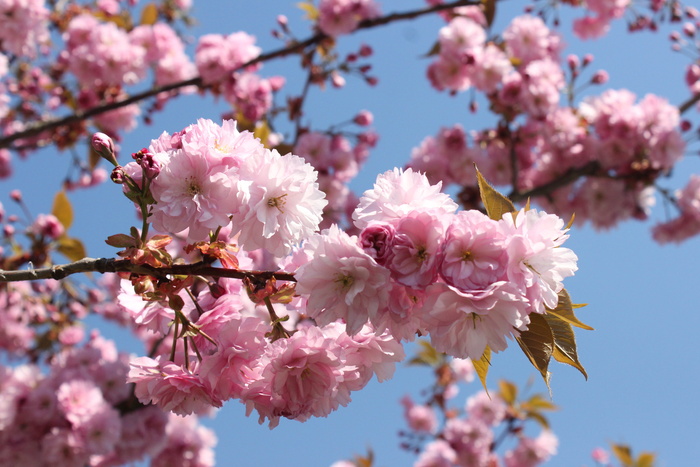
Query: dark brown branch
563	180
103	265
39	128
687	105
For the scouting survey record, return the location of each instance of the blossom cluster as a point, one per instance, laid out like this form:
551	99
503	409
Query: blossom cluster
470	440
75	415
628	142
23	26
297	350
220	59
337	17
419	266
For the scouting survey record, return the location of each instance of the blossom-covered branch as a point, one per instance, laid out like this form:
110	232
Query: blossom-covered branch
295	47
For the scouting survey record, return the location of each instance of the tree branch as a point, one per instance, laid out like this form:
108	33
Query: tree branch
566	178
103	265
687	105
34	130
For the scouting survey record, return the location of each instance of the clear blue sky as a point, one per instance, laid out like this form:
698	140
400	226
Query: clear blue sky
642	359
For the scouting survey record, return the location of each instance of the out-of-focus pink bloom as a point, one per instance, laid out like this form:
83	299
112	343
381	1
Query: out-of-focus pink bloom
420	418
491	410
338	17
528	38
47	225
218	56
186	440
532	452
600	455
437	453
23	26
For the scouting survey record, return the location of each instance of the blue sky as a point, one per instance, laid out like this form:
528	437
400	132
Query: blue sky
642	360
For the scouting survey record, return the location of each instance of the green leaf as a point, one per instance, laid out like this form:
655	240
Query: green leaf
564	343
565	311
427	355
62	209
538	403
262	131
482	366
120	241
93	158
149	14
71	248
538	344
434	50
539	418
310	10
646	459
508	391
495	203
489	7
623	454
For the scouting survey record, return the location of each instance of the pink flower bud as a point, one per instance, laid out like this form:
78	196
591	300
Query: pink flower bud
282	20
47	225
573	61
16	196
8	230
104	146
365	50
117	175
689	29
363	118
337	80
587	59
600	77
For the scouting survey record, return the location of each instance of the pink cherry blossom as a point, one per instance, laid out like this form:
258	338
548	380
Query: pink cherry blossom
102	53
420	418
537	261
170	386
490	409
218	56
398	192
471	439
338	17
474	252
341	281
437	453
186	442
300	377
528	38
463	324
532	452
192	192
415	253
278	202
23	26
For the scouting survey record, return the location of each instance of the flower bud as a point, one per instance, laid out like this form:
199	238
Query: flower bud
104	146
117	175
363	118
600	77
16	196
